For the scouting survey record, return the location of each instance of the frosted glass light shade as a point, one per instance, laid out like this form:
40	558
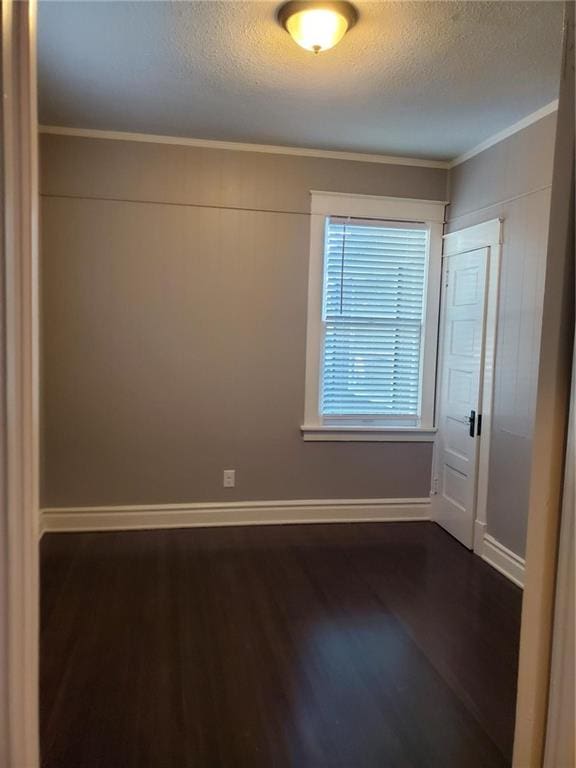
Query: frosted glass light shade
317	26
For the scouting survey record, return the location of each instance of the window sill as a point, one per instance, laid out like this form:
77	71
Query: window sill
368	434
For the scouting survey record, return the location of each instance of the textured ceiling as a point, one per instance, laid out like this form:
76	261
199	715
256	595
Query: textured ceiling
426	79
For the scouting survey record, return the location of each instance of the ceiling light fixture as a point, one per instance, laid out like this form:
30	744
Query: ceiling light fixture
317	26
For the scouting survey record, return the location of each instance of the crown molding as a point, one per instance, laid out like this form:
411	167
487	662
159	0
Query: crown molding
506	133
326	154
90	133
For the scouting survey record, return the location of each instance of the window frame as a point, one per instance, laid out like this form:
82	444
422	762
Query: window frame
357	428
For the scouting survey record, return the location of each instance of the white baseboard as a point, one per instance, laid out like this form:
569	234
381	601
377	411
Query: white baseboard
503	559
479	534
132	518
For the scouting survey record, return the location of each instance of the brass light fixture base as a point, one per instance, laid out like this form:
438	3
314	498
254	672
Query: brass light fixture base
345	9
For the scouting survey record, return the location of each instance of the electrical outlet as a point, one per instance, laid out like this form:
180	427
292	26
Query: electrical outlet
229	478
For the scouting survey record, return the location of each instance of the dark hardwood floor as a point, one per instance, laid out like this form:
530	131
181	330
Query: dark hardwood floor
348	646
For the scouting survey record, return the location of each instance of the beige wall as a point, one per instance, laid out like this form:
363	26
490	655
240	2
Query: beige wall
512	180
174	296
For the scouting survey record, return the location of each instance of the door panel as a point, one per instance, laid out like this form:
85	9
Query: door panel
460	392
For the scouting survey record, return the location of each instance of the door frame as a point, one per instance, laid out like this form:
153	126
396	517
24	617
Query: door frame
21	696
19	393
486	235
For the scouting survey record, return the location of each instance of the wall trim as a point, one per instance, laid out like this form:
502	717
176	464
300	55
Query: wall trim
479	534
359	157
19	581
377	206
506	133
368	434
503	559
497	204
487	234
147	517
237	146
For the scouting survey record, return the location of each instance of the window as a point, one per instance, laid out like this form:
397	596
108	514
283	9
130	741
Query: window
372	318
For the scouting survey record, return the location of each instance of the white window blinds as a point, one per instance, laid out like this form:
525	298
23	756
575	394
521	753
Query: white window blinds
373	304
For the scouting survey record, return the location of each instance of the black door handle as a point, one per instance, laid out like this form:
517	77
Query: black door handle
472	422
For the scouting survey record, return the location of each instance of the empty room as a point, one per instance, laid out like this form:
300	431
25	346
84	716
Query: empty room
287	347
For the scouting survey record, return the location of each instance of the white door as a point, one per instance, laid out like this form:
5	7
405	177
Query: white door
460	369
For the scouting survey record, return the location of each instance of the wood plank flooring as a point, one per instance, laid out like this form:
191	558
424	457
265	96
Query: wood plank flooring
318	646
